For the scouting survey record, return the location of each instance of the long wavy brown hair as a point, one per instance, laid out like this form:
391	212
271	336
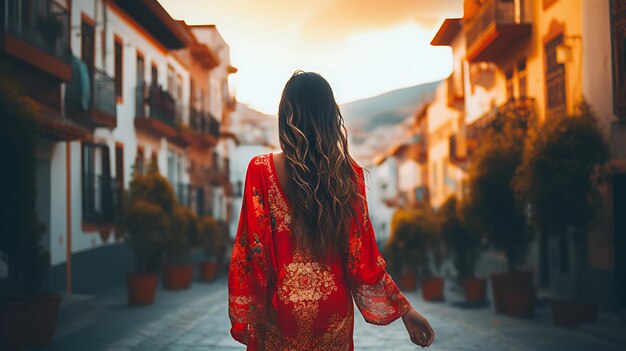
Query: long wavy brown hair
322	187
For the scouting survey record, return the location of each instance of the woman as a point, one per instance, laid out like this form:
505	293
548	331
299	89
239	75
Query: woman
305	246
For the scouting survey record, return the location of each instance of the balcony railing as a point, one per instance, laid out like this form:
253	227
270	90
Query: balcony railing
497	25
220	170
100	199
521	108
154	102
96	105
42	23
104	97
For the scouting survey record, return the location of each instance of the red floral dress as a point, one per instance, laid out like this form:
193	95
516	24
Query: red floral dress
280	298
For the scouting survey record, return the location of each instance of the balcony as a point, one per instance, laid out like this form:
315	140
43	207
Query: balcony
522	108
37	32
155	111
495	28
100	200
206	127
91	100
456	94
220	171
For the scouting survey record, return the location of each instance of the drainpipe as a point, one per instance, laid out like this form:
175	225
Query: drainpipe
68	218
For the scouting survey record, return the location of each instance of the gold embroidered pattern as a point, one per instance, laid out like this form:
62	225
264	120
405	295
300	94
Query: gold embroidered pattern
306	281
380	303
280	214
304	284
336	338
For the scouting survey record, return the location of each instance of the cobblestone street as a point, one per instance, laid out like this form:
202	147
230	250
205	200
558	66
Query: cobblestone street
196	319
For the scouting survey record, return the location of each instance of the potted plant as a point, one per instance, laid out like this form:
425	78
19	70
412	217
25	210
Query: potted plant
145	223
464	245
401	248
28	311
560	178
210	239
178	274
492	208
429	255
148	205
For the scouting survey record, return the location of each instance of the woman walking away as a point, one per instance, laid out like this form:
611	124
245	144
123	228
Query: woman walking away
305	247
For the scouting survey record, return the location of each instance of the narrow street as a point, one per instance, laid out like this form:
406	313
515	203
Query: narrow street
196	319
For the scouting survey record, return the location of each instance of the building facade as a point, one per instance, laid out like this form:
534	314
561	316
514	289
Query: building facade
540	58
121	82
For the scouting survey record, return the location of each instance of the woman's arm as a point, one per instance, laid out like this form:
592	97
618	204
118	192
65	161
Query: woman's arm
376	294
420	331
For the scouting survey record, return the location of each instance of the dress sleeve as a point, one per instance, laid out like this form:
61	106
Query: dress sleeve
376	295
247	274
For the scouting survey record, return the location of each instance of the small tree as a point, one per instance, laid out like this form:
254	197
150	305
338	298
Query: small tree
145	224
149	204
183	228
491	204
210	237
461	241
560	176
414	243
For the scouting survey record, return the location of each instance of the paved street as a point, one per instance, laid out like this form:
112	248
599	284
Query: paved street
196	319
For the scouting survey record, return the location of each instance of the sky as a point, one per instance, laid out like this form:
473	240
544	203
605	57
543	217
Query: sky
362	47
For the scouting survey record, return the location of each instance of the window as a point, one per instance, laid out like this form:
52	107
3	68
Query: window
555	80
119	166
119	69
87	39
97	184
141	66
522	76
510	93
154	76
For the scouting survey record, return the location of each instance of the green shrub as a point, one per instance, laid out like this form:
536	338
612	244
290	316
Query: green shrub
210	237
491	202
414	240
145	223
183	228
463	243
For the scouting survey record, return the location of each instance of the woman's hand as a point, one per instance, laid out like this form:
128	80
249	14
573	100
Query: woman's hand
419	329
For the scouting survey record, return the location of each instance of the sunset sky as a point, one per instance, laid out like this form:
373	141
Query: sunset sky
362	47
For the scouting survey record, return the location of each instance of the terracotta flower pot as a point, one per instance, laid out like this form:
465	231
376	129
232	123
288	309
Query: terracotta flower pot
177	277
519	302
571	314
141	288
208	270
501	282
432	289
408	281
44	315
475	289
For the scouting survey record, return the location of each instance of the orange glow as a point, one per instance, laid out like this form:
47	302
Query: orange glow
363	47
